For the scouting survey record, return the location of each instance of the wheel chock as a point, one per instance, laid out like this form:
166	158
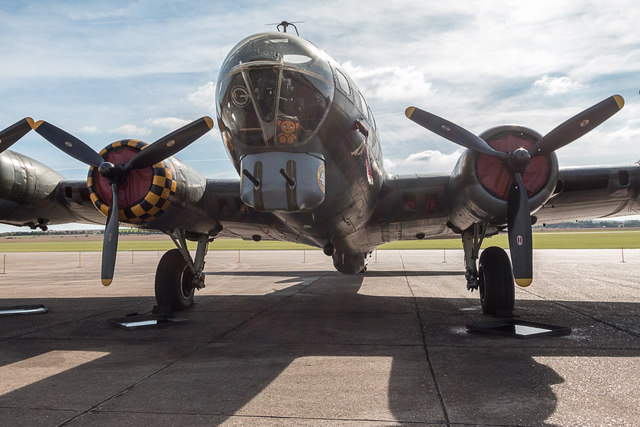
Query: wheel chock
23	309
515	328
140	321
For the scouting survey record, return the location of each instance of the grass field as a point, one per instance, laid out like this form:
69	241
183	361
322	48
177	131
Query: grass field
541	240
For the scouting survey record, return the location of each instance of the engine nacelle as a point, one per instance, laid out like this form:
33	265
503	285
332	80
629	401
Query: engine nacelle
481	183
146	194
29	193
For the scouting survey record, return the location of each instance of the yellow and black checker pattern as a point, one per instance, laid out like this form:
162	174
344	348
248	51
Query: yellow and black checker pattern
162	187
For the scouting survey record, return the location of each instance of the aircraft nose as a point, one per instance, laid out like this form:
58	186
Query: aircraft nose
274	90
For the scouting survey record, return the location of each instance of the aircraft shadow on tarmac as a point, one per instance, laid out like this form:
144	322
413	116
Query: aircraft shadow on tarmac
236	347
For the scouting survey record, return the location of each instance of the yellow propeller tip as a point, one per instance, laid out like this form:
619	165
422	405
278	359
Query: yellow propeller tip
34	125
619	101
106	282
523	283
409	111
208	121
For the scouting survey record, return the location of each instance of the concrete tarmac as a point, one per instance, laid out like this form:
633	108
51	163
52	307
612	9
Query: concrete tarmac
273	340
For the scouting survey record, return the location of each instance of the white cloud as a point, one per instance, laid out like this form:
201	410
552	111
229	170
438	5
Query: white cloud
391	82
90	129
131	131
555	85
152	126
170	123
94	12
425	162
205	96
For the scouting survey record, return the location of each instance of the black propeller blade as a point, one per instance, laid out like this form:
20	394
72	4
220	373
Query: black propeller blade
163	148
13	133
577	126
518	214
519	227
169	145
68	143
451	131
110	241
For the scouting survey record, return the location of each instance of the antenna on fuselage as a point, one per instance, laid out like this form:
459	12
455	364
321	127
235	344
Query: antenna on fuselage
285	24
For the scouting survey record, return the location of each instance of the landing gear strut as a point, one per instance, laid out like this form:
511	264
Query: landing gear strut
471	240
178	274
494	279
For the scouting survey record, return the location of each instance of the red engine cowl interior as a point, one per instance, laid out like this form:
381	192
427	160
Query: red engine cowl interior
143	195
494	176
133	189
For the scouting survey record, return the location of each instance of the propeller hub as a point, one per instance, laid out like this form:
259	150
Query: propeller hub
110	171
518	160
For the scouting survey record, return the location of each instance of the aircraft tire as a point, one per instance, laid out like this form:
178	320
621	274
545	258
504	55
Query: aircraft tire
173	282
497	292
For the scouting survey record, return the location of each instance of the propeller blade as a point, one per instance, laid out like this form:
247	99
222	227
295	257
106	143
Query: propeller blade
13	133
110	242
519	225
451	131
68	143
577	126
170	144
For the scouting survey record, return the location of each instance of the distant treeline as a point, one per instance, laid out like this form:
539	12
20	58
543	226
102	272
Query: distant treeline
577	224
595	224
75	232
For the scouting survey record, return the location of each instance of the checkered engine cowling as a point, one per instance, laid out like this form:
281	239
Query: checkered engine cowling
144	195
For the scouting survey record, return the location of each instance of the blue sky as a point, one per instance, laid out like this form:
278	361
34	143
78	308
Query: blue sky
107	70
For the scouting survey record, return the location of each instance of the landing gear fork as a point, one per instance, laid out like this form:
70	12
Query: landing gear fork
195	265
471	241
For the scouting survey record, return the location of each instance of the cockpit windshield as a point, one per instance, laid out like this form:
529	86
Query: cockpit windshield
274	89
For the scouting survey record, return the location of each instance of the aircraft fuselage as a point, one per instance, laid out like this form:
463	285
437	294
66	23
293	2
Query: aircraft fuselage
285	108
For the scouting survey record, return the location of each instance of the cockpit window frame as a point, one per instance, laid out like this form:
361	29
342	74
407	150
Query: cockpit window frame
363	104
318	59
266	137
269	130
371	118
258	64
296	59
342	82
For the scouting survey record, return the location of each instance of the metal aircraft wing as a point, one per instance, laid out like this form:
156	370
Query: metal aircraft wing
420	206
410	207
593	192
32	194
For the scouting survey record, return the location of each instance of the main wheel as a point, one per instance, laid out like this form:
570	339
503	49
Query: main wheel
497	293
174	282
